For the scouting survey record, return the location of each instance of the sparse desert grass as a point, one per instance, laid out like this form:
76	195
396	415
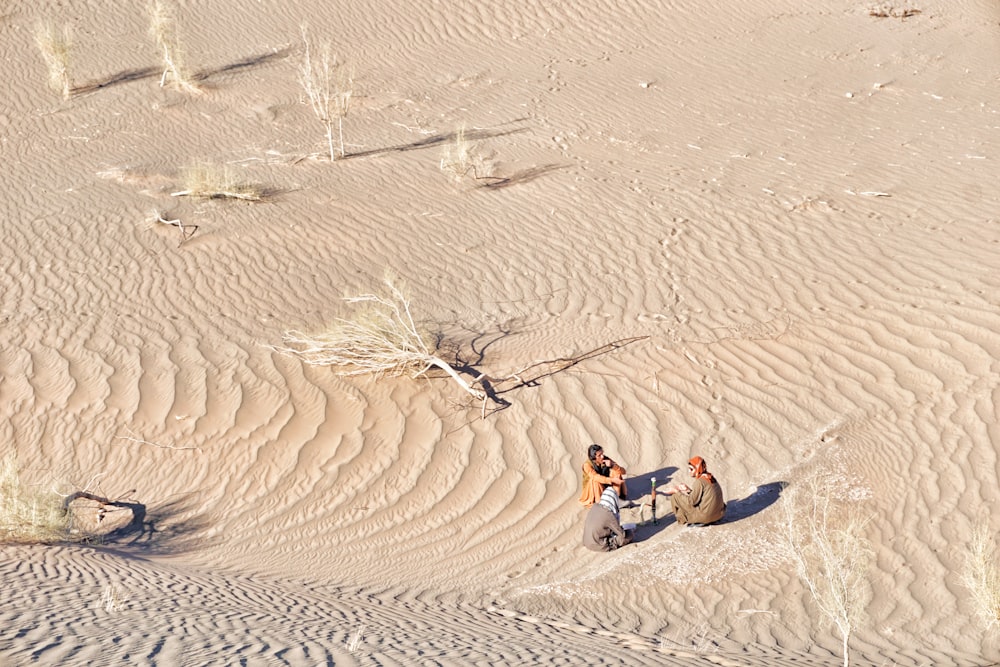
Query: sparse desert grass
825	534
461	159
382	339
113	598
163	30
28	514
981	576
355	642
328	85
55	46
887	10
694	638
208	181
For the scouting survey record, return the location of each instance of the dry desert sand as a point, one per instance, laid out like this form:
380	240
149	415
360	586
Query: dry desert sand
792	206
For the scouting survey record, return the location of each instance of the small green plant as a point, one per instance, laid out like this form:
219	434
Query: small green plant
55	46
163	30
328	85
981	576
207	181
28	514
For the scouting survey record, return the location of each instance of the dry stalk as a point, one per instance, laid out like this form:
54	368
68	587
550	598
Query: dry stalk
140	441
187	231
327	84
163	30
831	555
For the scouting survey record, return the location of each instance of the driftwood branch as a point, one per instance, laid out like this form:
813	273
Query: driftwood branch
101	500
187	231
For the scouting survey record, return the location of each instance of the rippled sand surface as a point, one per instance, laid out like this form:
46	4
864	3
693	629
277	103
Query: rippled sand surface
785	216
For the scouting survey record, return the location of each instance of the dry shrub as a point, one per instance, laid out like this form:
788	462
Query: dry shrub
328	85
113	598
55	46
382	339
163	30
28	514
461	159
824	528
887	10
207	181
981	576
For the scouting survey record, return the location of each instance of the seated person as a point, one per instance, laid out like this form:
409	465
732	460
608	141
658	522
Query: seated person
702	502
602	530
600	472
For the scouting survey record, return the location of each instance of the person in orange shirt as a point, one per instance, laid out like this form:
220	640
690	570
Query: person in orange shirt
600	472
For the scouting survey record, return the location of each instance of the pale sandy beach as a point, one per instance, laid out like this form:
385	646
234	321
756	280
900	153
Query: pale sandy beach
785	216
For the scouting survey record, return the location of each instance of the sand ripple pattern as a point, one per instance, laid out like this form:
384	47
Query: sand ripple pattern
806	238
94	607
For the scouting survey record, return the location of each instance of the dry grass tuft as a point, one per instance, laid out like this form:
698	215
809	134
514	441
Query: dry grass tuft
163	30
382	339
461	159
981	576
889	11
328	85
55	46
206	181
113	598
27	514
354	643
824	528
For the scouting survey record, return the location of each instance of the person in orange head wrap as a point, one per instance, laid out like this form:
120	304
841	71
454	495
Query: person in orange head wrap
700	503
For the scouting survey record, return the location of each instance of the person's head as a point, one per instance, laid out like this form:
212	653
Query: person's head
609	501
596	454
696	466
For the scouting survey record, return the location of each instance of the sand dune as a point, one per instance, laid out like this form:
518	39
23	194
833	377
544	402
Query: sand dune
790	210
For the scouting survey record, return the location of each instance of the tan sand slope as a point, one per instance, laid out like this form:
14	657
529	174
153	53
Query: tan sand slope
794	205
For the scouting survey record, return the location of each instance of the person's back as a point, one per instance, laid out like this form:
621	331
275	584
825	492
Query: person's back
602	529
704	504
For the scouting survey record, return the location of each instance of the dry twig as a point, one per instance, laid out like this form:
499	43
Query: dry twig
187	231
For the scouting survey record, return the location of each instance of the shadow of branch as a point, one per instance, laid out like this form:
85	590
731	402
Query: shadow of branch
137	74
435	140
169	528
523	176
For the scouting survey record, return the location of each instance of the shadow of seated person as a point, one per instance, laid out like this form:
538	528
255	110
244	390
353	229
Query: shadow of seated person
762	497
